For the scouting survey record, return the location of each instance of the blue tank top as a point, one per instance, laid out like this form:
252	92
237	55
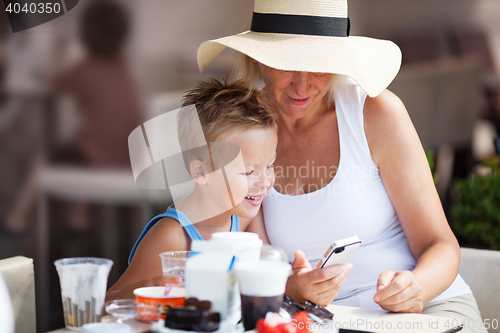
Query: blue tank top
180	217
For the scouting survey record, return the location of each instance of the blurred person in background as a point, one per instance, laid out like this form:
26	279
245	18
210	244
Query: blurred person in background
104	88
105	94
107	100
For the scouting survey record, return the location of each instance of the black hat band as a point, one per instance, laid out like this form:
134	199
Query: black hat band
301	25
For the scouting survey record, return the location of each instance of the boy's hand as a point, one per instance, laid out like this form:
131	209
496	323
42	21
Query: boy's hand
163	280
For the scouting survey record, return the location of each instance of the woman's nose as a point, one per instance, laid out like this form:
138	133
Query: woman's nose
301	83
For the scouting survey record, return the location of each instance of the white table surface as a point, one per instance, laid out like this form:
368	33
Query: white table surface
378	320
354	318
109	186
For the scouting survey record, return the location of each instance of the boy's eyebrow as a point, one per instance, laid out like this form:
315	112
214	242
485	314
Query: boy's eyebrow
250	163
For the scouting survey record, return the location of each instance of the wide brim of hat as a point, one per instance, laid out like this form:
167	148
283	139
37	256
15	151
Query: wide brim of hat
372	63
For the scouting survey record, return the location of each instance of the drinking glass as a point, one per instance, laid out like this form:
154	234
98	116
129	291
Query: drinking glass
121	309
83	289
174	263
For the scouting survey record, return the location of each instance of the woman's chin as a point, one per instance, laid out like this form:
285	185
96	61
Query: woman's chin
295	112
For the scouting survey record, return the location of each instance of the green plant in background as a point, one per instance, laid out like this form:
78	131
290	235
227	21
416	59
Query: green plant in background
477	212
431	159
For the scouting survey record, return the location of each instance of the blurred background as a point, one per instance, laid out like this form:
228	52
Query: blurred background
73	89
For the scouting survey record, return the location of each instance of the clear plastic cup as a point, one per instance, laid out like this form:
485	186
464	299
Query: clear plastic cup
121	309
174	263
273	253
83	289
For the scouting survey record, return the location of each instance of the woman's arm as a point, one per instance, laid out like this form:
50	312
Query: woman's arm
145	267
397	151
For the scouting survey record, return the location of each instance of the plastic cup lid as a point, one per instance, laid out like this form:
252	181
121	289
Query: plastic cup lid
159	292
238	240
262	278
106	328
234	235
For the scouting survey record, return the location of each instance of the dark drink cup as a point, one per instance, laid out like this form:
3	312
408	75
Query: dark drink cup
255	307
262	286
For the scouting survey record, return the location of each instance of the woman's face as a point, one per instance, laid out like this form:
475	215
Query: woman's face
296	94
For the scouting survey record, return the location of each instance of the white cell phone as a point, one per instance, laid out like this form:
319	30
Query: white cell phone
339	252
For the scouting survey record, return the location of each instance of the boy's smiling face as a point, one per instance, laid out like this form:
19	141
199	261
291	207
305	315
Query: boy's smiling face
248	186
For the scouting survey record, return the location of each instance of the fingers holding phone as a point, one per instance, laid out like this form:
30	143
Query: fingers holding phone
331	287
321	286
339	252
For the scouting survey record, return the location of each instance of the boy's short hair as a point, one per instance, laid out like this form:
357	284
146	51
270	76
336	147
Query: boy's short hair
221	108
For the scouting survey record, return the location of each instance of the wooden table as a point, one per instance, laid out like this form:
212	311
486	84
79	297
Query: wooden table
353	318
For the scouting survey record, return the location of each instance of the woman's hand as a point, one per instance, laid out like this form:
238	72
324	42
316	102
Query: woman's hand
399	292
320	286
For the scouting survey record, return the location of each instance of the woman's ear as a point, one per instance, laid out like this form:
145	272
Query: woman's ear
197	171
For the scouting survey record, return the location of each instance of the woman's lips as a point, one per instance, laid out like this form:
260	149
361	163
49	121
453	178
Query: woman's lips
254	200
298	101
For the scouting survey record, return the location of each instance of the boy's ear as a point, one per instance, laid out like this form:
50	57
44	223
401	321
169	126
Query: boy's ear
197	171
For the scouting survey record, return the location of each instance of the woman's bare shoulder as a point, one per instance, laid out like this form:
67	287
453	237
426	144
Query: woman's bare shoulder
387	123
383	107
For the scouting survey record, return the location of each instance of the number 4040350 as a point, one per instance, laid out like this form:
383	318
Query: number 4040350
33	8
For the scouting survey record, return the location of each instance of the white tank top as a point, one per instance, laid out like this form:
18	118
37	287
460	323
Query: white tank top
355	202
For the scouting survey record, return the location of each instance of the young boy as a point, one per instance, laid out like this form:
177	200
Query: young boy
232	174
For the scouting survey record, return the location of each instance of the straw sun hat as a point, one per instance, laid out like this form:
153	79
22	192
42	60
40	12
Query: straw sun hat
310	36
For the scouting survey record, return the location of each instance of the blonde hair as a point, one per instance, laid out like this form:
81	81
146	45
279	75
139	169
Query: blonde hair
221	108
248	70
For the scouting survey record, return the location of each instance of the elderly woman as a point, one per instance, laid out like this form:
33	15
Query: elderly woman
349	162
